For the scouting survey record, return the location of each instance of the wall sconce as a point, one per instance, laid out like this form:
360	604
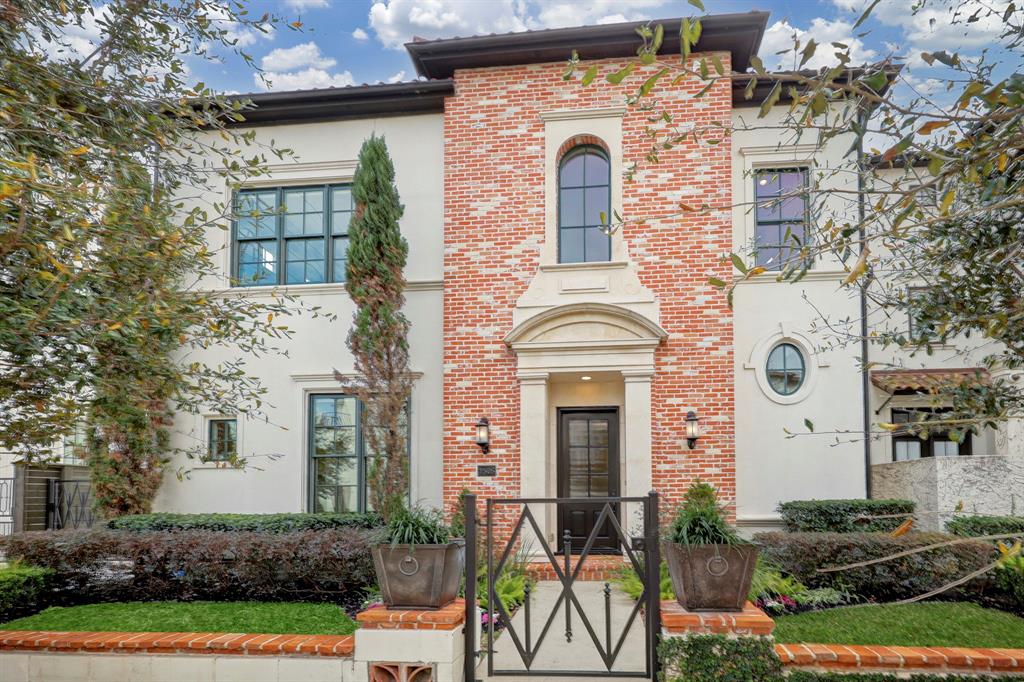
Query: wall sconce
692	429
483	434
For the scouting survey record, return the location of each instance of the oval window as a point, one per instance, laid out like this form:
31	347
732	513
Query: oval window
785	369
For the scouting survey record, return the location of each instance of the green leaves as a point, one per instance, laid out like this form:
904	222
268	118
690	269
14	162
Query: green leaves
771	100
808	52
589	75
618	76
689	34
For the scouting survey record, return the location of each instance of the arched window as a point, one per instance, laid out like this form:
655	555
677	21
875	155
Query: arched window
584	196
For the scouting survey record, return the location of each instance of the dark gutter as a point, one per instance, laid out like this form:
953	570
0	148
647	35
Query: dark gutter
865	346
738	34
766	83
333	104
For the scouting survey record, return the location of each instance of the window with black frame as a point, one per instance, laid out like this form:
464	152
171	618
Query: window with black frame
909	443
584	206
222	440
781	216
291	235
340	458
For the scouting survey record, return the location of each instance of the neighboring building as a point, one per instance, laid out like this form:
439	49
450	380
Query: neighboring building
586	353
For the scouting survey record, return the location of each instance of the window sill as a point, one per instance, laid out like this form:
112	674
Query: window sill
812	275
584	267
331	288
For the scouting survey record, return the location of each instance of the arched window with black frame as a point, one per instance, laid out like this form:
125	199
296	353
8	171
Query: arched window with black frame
584	206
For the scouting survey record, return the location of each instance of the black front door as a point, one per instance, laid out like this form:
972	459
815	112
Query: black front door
588	466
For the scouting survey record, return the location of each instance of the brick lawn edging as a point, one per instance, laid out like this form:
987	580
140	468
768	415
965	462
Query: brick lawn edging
753	622
178	643
838	657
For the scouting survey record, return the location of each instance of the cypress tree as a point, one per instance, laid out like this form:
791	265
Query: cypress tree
379	336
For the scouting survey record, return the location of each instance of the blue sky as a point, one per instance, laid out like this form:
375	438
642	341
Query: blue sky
345	42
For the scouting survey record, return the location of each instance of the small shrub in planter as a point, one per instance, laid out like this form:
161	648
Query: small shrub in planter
710	565
977	526
23	590
800	555
845	516
418	564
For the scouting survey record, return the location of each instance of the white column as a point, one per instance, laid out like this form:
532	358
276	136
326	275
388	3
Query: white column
637	430
533	446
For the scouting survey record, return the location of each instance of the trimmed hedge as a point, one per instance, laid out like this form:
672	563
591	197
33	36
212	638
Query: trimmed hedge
802	554
261	523
976	526
808	676
844	516
717	658
105	565
23	591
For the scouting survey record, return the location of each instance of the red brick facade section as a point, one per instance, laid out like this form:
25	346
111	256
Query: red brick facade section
494	228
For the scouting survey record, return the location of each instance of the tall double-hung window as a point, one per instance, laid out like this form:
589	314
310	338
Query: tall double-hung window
291	235
781	215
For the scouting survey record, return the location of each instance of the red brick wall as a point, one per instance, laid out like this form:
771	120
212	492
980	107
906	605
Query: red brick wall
494	226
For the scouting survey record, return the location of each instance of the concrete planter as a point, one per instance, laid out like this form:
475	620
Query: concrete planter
419	576
711	577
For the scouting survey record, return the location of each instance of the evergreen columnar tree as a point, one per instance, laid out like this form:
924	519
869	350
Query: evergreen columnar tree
107	152
379	336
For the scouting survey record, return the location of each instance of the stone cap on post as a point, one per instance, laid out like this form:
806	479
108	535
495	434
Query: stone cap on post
447	617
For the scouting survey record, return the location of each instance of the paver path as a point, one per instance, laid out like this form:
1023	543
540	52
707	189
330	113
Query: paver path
579	654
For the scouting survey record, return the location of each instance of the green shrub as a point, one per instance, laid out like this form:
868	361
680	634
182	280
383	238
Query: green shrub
23	590
101	565
717	658
976	526
1010	580
800	555
257	523
844	516
809	676
700	520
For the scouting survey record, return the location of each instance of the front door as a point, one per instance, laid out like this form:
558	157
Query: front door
588	467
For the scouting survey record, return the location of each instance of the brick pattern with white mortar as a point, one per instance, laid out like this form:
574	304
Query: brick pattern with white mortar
494	228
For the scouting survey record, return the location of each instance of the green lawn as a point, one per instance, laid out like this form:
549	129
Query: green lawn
925	624
200	616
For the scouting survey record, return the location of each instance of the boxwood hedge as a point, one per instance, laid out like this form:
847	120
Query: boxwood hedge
976	526
844	516
258	523
23	591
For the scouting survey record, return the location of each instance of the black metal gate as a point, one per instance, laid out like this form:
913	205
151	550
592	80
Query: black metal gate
6	506
69	504
565	563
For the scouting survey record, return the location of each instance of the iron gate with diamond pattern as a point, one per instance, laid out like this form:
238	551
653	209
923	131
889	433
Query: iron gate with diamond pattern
566	563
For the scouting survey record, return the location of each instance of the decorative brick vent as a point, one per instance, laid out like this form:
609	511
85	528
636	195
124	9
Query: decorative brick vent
178	643
901	658
401	672
751	621
382	618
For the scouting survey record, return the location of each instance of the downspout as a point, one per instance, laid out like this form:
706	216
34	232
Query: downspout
865	379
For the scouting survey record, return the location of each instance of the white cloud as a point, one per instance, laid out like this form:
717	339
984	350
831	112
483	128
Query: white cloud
301	67
780	36
306	4
360	34
396	21
397	78
305	80
297	56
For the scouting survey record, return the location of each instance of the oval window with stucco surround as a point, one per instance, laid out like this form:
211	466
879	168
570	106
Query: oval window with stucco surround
786	369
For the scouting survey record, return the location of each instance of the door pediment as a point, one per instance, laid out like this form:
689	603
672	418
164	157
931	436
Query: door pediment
585	325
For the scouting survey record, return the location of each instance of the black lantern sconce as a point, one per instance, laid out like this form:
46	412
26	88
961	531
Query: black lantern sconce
483	434
692	429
